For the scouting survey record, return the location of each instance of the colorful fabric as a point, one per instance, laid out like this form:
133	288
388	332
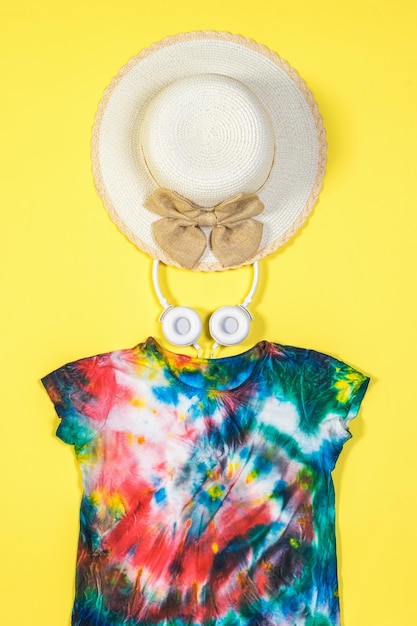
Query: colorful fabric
208	497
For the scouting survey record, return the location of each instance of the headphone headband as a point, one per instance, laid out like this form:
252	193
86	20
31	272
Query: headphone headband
164	302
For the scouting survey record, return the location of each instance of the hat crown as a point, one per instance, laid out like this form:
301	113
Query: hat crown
207	137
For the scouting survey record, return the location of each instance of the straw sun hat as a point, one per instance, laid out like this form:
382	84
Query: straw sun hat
208	151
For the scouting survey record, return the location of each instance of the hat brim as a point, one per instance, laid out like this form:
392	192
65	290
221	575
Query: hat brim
124	182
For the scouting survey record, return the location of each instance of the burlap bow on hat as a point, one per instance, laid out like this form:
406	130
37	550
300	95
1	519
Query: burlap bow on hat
234	237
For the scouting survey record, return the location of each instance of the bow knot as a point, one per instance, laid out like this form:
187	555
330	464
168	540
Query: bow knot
234	237
206	218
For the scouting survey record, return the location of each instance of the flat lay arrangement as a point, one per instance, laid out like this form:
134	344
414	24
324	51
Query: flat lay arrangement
207	489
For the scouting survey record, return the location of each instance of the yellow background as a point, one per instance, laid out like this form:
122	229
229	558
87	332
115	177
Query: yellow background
73	286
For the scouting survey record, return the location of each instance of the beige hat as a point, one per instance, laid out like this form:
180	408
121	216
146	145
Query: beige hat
208	151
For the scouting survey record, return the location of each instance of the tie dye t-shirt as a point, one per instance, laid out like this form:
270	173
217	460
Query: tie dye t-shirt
207	490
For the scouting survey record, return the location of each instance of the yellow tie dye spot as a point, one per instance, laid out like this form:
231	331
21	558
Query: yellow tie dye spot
251	476
94	498
347	386
107	503
215	491
115	504
139	402
231	469
214	473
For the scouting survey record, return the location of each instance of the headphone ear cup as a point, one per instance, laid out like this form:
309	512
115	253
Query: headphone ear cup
230	325
181	325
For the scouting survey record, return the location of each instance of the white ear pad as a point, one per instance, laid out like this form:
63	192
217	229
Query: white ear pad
230	325
181	325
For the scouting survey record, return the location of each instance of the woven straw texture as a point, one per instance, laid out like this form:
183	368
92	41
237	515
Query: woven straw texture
284	166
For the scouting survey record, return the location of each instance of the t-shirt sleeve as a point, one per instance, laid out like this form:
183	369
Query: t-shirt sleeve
332	394
82	393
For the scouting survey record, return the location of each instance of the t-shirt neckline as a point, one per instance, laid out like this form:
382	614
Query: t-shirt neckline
167	357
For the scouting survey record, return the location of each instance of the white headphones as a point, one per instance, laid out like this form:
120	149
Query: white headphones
182	326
